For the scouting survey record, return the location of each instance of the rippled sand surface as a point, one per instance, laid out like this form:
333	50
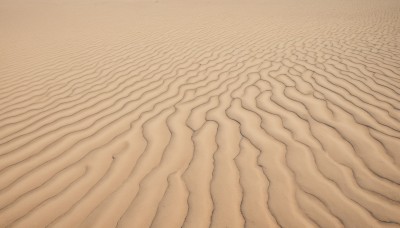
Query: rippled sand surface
275	113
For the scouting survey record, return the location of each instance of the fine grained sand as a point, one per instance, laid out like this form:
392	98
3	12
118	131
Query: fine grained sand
200	113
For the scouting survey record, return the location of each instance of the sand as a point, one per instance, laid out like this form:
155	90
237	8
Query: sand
275	113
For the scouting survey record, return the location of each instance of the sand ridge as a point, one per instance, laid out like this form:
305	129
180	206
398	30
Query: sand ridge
200	114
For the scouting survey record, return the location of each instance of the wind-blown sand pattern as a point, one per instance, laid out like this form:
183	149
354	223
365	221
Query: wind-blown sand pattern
200	113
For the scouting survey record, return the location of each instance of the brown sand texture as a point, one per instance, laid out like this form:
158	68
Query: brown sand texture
225	113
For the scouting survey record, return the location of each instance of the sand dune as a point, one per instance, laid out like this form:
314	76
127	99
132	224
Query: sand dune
275	113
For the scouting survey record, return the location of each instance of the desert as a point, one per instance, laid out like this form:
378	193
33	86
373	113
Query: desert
223	113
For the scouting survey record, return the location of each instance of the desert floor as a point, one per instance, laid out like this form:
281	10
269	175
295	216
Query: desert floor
168	113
